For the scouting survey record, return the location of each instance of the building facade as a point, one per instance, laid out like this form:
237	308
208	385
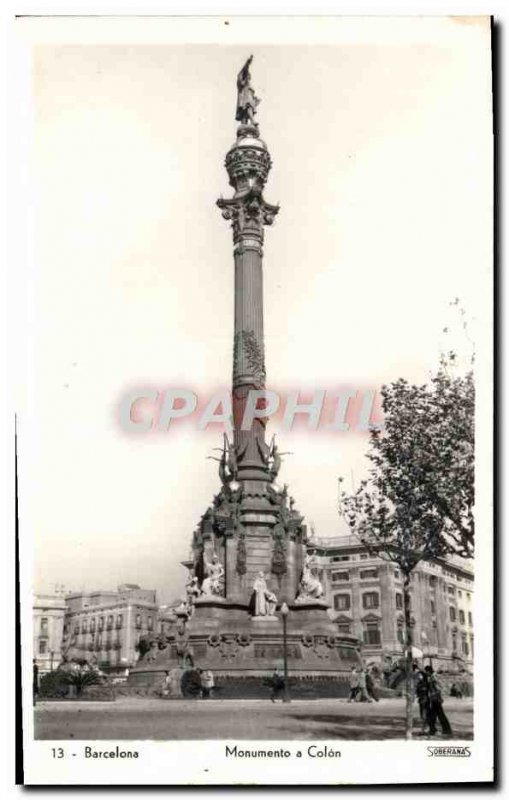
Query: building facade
48	628
366	598
105	627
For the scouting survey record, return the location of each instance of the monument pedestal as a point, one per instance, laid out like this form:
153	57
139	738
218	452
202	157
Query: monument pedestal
249	548
239	649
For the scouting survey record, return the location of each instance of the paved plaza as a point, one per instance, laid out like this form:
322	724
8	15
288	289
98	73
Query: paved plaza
140	718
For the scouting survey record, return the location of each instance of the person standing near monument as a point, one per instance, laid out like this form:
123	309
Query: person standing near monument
363	689
277	683
354	685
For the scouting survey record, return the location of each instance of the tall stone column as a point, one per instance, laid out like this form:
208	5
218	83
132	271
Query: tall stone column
248	164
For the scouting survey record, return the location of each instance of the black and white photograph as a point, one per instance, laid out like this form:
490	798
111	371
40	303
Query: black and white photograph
254	420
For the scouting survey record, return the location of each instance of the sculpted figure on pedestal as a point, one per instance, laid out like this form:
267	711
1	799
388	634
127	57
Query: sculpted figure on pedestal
247	101
192	592
265	601
228	462
310	585
212	583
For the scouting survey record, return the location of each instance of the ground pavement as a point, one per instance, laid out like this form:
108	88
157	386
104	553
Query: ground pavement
143	718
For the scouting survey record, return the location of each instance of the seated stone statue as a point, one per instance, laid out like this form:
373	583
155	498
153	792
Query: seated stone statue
212	583
265	601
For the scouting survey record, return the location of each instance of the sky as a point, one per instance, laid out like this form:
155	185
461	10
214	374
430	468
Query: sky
381	145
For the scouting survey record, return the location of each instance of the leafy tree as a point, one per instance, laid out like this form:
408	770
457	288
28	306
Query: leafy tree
417	502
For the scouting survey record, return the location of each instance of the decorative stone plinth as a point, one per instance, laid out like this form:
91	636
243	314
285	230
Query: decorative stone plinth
224	637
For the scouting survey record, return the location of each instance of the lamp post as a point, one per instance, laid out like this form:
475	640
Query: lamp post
284	614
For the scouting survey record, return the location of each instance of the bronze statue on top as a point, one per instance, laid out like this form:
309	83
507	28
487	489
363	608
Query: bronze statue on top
247	101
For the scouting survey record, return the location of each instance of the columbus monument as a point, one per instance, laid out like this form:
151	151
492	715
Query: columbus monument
248	553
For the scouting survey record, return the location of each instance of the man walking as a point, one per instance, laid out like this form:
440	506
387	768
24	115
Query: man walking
363	689
278	685
435	707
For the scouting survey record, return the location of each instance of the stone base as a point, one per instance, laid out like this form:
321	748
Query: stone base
223	637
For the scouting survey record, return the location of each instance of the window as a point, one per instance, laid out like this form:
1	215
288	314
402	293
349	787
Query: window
433	623
138	620
43	647
462	617
120	620
363	556
399	600
365	574
149	623
433	580
344	627
109	624
372	634
454	643
401	634
472	645
433	607
340	576
370	600
470	618
44	624
452	613
342	602
464	646
460	593
84	626
92	625
76	627
341	558
100	624
396	573
468	597
451	589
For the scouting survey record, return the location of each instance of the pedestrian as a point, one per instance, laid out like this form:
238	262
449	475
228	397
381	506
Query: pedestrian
435	707
421	693
363	691
354	685
278	685
370	687
456	691
207	683
35	680
166	689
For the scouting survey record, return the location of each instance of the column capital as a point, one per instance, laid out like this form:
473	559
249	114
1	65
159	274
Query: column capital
248	214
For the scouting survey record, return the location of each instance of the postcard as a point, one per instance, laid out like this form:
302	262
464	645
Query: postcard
255	392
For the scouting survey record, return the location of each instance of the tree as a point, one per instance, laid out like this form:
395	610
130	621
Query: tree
417	502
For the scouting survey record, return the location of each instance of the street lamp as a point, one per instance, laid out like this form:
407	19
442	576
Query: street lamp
284	614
